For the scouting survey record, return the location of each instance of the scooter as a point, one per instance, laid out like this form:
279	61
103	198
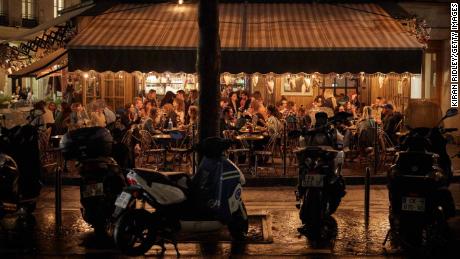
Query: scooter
420	201
102	178
320	182
207	202
19	177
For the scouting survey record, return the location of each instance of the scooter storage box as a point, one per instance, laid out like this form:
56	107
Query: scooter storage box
87	143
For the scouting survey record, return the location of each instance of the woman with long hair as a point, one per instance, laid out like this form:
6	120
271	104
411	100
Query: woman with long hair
179	109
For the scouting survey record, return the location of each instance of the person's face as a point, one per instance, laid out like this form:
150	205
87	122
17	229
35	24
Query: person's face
132	108
244	97
152	95
139	104
223	104
79	108
180	96
234	97
230	113
284	104
377	101
52	107
341	109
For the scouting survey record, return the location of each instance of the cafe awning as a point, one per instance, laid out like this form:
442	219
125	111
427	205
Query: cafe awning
256	37
47	65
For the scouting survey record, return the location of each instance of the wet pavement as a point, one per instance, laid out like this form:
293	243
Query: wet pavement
353	237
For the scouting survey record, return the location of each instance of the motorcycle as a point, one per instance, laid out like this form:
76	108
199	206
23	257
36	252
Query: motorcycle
19	177
205	203
102	178
320	182
420	201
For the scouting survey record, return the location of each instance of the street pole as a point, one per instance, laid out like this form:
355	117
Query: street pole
285	149
193	150
208	68
367	195
376	148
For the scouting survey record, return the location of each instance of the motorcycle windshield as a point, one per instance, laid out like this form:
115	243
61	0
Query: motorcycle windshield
422	114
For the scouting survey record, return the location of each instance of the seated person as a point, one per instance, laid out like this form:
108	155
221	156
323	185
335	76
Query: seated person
227	121
390	122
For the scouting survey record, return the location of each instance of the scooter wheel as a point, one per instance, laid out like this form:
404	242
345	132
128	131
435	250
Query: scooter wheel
133	232
238	226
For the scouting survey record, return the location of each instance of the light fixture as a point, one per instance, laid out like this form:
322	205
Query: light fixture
180	1
85	75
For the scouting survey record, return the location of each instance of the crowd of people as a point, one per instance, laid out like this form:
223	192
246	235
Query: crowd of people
238	109
146	112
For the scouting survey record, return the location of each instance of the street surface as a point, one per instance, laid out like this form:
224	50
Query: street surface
278	203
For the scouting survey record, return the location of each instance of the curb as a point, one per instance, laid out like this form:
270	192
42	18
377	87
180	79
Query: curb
262	181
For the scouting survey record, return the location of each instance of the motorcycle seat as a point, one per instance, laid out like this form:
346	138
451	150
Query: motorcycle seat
179	179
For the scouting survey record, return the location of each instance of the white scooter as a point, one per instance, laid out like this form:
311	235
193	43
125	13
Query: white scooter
173	197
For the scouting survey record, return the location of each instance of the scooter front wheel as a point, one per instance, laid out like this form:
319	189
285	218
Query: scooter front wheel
133	232
238	226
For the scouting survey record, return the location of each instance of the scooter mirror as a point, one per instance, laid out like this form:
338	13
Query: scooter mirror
451	112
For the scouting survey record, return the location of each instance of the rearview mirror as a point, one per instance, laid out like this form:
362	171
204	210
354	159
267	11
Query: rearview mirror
451	112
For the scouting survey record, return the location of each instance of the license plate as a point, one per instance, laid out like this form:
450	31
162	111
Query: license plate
123	200
92	190
413	204
313	180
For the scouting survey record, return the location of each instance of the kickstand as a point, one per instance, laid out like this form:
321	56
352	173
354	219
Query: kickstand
386	237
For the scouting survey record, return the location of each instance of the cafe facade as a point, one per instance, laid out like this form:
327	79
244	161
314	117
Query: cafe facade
295	50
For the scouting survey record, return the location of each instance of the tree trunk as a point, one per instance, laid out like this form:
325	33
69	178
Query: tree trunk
208	67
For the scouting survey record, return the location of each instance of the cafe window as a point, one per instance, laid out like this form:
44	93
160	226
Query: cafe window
3	11
58	6
93	88
416	87
28	9
114	89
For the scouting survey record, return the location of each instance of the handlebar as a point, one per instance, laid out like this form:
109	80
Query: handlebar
446	130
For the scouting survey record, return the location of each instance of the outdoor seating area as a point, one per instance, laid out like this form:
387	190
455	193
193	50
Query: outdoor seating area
265	139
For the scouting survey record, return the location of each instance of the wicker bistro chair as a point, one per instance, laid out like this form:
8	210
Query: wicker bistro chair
236	151
149	148
269	151
180	148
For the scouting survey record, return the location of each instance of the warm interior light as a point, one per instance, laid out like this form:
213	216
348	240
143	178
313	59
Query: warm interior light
181	1
85	75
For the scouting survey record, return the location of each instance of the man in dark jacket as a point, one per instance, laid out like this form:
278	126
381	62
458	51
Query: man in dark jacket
390	122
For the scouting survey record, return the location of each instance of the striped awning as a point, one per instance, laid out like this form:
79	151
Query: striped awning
255	37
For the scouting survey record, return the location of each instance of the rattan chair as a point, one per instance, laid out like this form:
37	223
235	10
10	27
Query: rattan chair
269	151
238	149
180	148
149	148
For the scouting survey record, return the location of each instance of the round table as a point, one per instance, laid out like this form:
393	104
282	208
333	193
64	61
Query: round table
250	138
164	139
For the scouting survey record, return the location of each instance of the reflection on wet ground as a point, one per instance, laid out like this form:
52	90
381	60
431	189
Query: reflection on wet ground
354	237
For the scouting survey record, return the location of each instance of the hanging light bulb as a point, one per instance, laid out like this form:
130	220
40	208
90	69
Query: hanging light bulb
180	1
381	80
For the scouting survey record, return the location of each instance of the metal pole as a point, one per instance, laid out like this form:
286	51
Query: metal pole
367	181
376	148
285	149
193	150
58	195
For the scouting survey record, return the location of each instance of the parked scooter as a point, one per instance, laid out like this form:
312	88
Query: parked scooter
320	182
101	177
207	202
19	177
420	201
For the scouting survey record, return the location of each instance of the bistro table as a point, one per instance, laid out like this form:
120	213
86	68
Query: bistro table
250	138
164	139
